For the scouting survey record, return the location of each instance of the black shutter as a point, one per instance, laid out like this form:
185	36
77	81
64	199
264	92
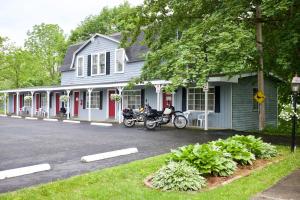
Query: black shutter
51	95
89	66
184	99
84	100
217	99
142	98
101	100
107	63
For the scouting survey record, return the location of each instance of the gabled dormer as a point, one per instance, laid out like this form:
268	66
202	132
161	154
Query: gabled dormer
101	59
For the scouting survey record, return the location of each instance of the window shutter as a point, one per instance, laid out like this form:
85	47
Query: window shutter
89	66
217	99
184	99
51	95
142	98
101	100
107	63
84	100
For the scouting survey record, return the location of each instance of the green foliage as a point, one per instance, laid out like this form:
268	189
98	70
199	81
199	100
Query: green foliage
178	176
208	158
238	151
256	146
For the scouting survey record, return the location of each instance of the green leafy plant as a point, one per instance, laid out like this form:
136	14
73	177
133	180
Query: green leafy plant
178	176
256	146
208	158
238	151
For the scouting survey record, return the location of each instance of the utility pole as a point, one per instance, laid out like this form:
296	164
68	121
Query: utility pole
260	73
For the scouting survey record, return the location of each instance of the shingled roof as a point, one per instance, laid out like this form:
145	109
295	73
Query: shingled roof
134	53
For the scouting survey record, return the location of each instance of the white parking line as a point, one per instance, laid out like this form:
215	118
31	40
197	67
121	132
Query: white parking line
101	124
31	118
71	121
51	120
24	170
14	116
111	154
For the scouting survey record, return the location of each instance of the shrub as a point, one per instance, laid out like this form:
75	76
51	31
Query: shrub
238	151
178	176
207	158
256	146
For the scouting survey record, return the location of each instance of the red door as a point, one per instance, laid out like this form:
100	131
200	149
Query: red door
167	100
111	105
37	101
76	103
15	104
57	103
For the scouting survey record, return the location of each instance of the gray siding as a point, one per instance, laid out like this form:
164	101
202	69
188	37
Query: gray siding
101	45
244	117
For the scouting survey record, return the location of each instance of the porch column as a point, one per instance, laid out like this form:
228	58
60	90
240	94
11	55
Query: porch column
18	104
205	89
158	90
89	103
120	89
5	105
68	106
48	104
32	101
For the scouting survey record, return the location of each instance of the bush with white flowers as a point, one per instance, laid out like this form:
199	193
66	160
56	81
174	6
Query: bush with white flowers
64	98
288	112
115	97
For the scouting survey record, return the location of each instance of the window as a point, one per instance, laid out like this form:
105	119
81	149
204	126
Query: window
132	99
95	100
94	64
254	102
102	63
119	64
80	66
43	100
196	99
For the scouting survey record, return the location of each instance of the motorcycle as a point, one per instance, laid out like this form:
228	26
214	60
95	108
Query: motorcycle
130	116
154	118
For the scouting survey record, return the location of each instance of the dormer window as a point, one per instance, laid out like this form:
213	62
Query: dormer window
99	63
80	66
120	58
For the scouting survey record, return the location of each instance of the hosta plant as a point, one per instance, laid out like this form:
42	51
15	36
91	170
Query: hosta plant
238	151
178	176
256	146
209	159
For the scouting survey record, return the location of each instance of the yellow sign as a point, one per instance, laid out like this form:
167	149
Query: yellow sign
259	97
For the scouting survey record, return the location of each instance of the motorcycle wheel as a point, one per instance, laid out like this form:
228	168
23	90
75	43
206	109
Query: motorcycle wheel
128	122
150	124
180	121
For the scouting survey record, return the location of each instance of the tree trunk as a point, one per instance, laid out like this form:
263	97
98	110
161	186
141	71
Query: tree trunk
260	74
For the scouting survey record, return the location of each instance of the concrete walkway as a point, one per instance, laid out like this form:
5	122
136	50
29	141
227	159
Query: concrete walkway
287	188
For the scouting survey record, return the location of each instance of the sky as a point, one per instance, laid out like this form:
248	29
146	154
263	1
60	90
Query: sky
18	16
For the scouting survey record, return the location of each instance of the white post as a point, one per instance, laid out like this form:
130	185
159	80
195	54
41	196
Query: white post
32	101
205	89
68	106
48	104
18	104
158	89
5	106
120	89
89	103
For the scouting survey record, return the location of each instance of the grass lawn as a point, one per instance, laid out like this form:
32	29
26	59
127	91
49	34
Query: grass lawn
126	182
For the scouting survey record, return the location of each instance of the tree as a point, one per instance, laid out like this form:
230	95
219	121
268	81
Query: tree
47	43
108	21
189	40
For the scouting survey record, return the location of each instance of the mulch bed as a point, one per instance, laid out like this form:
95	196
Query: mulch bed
241	171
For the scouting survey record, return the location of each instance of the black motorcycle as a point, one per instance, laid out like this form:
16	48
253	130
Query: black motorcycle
130	116
154	118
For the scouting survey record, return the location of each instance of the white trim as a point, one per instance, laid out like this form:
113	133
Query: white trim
101	124
23	171
110	154
78	57
123	51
